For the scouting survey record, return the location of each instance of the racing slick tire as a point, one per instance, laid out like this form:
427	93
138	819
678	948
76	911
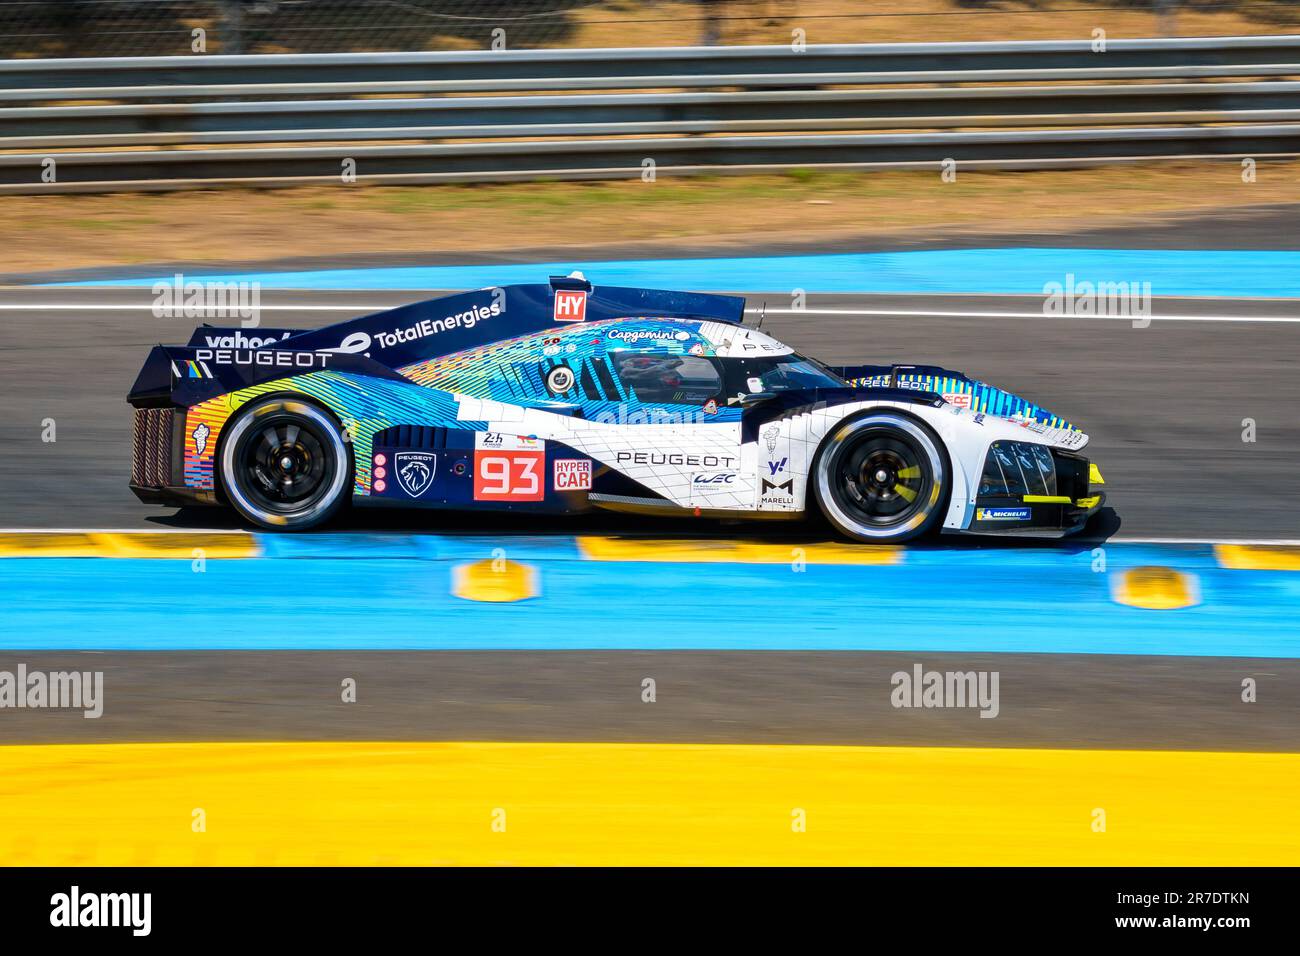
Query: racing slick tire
284	464
881	478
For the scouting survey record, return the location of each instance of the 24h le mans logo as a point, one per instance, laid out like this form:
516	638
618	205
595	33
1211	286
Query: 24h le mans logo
414	471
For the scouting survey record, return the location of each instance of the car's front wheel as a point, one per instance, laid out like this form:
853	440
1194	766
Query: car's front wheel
881	478
284	464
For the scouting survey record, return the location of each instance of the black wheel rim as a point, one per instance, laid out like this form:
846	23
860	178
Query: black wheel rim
882	478
284	463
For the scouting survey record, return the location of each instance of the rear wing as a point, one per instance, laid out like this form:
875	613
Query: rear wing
218	360
437	327
185	375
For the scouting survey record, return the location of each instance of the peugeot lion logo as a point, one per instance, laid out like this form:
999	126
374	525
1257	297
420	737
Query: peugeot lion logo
414	471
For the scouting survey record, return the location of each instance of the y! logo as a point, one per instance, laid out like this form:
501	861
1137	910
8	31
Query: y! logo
777	466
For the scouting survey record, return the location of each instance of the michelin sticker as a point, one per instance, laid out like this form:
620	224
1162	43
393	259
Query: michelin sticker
1003	514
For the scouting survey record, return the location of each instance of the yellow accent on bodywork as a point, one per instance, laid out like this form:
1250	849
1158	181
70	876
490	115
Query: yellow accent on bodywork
1047	500
1094	475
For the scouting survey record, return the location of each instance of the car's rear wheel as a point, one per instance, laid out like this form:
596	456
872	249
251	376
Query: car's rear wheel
284	464
882	478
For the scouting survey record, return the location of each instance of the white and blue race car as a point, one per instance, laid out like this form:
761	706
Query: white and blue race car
563	397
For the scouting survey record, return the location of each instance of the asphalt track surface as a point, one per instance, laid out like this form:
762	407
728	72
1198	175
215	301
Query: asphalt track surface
1046	700
1165	406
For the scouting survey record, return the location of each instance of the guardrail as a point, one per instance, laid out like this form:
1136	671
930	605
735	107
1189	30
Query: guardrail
587	114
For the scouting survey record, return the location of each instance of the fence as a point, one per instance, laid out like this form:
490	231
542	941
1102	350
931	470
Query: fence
182	122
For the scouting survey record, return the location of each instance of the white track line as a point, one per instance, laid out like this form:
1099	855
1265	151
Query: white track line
1154	317
122	307
1261	542
362	309
946	295
122	531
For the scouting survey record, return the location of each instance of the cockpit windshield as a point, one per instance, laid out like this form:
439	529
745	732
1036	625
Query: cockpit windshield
777	373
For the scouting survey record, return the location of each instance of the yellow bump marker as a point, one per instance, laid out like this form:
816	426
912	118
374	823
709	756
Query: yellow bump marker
176	545
496	581
45	545
97	544
1254	557
706	551
1155	588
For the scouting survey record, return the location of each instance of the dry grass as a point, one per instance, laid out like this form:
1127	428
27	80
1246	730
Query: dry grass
654	23
63	232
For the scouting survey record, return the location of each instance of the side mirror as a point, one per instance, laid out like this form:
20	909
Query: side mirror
753	398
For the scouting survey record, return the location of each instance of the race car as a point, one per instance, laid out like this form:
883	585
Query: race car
564	397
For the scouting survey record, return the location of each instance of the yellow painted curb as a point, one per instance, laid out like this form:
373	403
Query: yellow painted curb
495	581
704	551
130	544
1155	588
1256	557
641	804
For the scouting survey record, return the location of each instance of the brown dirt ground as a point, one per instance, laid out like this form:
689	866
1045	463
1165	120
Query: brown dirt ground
66	232
653	23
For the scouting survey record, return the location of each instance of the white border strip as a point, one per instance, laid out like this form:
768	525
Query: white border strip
1265	542
144	307
1145	320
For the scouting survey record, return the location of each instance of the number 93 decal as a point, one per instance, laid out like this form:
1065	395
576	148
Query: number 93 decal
509	475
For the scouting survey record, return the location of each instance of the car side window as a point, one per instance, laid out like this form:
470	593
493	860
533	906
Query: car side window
660	379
